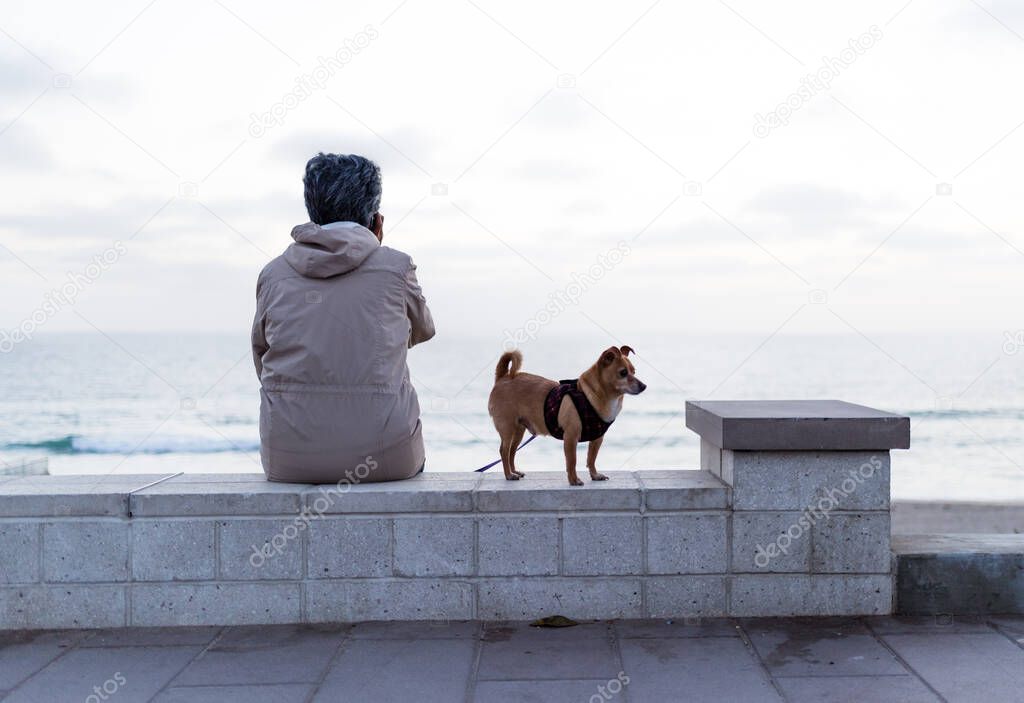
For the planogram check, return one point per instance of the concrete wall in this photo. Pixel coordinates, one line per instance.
(810, 531)
(87, 551)
(959, 574)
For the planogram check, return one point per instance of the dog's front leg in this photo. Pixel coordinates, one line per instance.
(592, 449)
(569, 444)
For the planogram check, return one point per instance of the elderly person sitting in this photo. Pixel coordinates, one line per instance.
(335, 315)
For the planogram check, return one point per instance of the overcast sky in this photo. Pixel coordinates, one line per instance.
(884, 198)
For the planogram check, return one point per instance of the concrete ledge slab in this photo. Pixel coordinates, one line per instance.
(222, 495)
(683, 490)
(433, 493)
(935, 544)
(71, 496)
(796, 425)
(550, 491)
(251, 477)
(959, 574)
(182, 497)
(919, 517)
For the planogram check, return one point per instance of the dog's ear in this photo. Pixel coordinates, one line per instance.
(626, 351)
(609, 356)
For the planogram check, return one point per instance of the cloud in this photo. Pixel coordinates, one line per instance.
(22, 77)
(988, 17)
(119, 220)
(816, 211)
(393, 150)
(272, 206)
(22, 150)
(552, 169)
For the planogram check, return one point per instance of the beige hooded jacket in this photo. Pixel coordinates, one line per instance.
(335, 316)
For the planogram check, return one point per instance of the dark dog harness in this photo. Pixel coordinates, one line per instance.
(593, 426)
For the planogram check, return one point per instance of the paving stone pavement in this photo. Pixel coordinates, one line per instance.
(866, 660)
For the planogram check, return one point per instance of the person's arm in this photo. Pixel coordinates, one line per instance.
(259, 334)
(416, 308)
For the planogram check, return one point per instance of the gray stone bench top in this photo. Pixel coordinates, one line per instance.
(796, 425)
(184, 495)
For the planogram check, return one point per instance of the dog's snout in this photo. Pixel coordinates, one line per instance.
(641, 386)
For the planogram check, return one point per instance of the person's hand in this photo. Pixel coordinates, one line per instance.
(377, 226)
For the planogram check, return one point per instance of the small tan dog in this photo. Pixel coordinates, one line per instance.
(574, 411)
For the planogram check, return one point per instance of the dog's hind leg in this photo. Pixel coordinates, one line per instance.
(507, 433)
(506, 459)
(517, 439)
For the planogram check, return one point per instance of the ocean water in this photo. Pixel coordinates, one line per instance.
(139, 403)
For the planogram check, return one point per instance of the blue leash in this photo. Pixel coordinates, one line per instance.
(484, 468)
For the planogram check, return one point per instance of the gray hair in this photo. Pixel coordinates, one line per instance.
(342, 188)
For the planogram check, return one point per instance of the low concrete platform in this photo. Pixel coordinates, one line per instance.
(960, 574)
(233, 549)
(852, 659)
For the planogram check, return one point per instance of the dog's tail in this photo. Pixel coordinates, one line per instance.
(515, 358)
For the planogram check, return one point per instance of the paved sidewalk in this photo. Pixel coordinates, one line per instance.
(866, 660)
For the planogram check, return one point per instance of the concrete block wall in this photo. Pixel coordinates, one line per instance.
(819, 543)
(943, 575)
(810, 520)
(111, 551)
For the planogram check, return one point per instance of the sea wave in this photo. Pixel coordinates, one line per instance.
(965, 414)
(155, 444)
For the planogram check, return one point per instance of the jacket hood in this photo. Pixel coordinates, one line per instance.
(322, 252)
